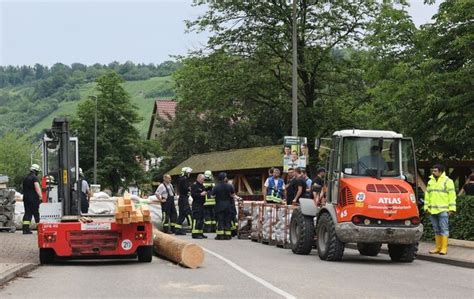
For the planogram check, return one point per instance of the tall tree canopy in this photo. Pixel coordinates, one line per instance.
(361, 64)
(118, 141)
(421, 82)
(262, 30)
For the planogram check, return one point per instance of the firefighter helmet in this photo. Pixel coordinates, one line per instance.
(186, 170)
(35, 167)
(208, 174)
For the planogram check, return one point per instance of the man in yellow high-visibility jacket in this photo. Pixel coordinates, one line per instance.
(440, 203)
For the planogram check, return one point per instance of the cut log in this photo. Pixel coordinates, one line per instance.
(179, 251)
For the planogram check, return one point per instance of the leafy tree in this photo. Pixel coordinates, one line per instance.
(225, 102)
(421, 83)
(236, 92)
(263, 29)
(15, 152)
(118, 141)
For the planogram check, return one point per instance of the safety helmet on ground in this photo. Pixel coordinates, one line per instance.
(35, 167)
(208, 174)
(186, 170)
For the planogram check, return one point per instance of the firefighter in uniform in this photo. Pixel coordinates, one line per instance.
(198, 193)
(166, 195)
(183, 201)
(209, 204)
(440, 203)
(224, 194)
(31, 198)
(233, 216)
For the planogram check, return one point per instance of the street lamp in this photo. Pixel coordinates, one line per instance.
(95, 140)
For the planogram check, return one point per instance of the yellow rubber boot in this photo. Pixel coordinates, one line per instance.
(444, 245)
(438, 245)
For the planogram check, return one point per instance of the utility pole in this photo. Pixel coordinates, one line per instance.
(294, 84)
(95, 140)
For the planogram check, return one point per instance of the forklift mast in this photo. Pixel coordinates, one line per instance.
(58, 137)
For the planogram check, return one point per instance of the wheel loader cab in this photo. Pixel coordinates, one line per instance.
(372, 183)
(371, 197)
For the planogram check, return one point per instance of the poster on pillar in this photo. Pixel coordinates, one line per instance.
(295, 152)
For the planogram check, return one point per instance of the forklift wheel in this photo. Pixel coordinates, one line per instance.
(145, 254)
(46, 255)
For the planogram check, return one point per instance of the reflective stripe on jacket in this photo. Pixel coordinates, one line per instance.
(210, 200)
(275, 192)
(440, 195)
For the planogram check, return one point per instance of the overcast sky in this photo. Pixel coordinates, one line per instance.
(103, 31)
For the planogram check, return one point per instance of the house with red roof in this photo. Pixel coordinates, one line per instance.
(163, 109)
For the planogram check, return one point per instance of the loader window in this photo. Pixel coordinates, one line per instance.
(408, 161)
(371, 156)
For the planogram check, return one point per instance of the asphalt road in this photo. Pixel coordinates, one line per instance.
(244, 269)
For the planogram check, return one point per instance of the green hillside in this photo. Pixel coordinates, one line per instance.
(31, 96)
(140, 96)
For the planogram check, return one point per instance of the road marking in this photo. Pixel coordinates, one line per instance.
(254, 277)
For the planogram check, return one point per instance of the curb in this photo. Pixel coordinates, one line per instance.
(14, 271)
(431, 258)
(461, 243)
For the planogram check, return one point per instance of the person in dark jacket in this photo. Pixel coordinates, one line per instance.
(198, 193)
(224, 194)
(468, 187)
(31, 198)
(183, 201)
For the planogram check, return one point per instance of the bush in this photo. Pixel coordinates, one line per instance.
(461, 225)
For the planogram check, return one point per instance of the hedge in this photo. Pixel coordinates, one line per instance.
(461, 225)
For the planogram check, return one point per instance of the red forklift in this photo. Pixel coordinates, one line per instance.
(64, 232)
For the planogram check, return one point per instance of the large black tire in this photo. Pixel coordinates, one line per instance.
(46, 256)
(404, 253)
(330, 248)
(145, 254)
(369, 249)
(301, 232)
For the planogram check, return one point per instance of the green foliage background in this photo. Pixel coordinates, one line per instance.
(461, 225)
(30, 97)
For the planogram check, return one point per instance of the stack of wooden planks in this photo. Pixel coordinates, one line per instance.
(126, 212)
